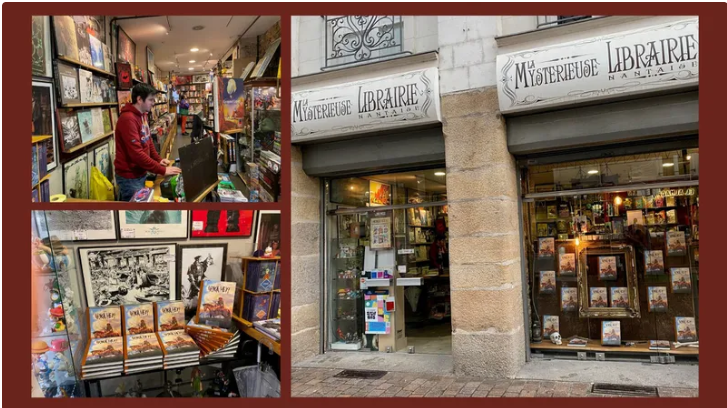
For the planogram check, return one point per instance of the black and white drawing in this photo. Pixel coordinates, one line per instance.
(70, 132)
(128, 274)
(79, 225)
(68, 81)
(75, 177)
(85, 85)
(153, 224)
(96, 93)
(97, 115)
(102, 160)
(197, 263)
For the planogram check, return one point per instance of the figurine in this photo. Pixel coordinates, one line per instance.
(43, 372)
(196, 382)
(120, 390)
(220, 385)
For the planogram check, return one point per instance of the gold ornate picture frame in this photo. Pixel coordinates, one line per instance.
(584, 308)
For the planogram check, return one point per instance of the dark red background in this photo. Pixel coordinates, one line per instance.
(246, 224)
(16, 31)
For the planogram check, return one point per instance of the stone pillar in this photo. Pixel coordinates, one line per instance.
(305, 261)
(484, 237)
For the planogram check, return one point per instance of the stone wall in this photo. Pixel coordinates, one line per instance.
(484, 232)
(306, 297)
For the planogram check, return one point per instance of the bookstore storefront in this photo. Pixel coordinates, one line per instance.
(610, 205)
(378, 156)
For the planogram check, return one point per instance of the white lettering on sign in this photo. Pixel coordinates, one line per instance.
(639, 61)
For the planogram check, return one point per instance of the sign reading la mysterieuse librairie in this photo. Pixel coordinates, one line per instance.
(644, 60)
(406, 99)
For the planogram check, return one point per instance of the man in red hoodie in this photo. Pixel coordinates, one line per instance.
(135, 152)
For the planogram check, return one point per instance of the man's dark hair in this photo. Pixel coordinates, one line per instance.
(181, 97)
(143, 91)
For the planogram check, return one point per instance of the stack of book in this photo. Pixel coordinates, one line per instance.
(212, 326)
(260, 301)
(105, 349)
(231, 196)
(142, 351)
(270, 328)
(179, 349)
(212, 339)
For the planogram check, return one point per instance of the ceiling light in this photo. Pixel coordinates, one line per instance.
(191, 69)
(198, 28)
(194, 49)
(439, 173)
(689, 157)
(192, 61)
(592, 171)
(617, 200)
(668, 164)
(166, 32)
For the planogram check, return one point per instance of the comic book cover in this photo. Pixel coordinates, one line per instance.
(143, 346)
(686, 329)
(104, 321)
(599, 297)
(619, 297)
(138, 318)
(657, 299)
(568, 299)
(215, 303)
(681, 280)
(547, 282)
(169, 315)
(567, 265)
(611, 333)
(104, 352)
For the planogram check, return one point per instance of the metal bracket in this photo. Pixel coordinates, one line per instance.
(600, 356)
(582, 355)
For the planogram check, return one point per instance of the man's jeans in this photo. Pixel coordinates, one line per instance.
(129, 187)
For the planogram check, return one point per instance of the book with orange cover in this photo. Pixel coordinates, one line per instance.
(138, 318)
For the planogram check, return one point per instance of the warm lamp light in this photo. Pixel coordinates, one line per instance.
(617, 200)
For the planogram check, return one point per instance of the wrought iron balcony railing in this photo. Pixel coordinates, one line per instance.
(357, 39)
(552, 21)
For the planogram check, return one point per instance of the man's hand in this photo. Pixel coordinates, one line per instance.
(170, 171)
(165, 162)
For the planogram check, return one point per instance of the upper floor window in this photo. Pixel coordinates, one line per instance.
(552, 21)
(356, 39)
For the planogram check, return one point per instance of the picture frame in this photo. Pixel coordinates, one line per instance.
(150, 61)
(596, 249)
(126, 274)
(102, 159)
(266, 232)
(153, 224)
(64, 32)
(76, 178)
(44, 121)
(215, 223)
(89, 225)
(379, 193)
(41, 56)
(195, 263)
(126, 48)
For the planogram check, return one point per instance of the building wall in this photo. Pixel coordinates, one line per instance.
(306, 297)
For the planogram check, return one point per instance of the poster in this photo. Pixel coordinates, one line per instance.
(378, 320)
(232, 94)
(379, 193)
(381, 233)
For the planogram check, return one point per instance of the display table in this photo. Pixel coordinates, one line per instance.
(595, 346)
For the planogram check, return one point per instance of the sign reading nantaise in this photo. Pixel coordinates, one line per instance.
(653, 58)
(407, 99)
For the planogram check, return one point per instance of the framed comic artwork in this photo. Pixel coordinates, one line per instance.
(91, 225)
(222, 223)
(153, 224)
(118, 275)
(267, 232)
(196, 263)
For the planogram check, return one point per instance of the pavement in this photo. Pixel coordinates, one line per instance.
(428, 375)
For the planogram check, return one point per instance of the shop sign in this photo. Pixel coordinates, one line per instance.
(639, 61)
(385, 103)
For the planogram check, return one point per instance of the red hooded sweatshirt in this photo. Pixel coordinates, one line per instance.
(135, 152)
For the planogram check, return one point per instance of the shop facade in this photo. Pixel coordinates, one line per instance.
(485, 164)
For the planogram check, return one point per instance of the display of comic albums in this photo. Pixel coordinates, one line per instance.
(614, 255)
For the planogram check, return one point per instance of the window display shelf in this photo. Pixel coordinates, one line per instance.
(595, 346)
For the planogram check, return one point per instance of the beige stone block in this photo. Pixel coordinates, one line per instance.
(483, 100)
(305, 208)
(482, 216)
(302, 183)
(486, 310)
(305, 237)
(296, 154)
(484, 249)
(490, 355)
(305, 317)
(485, 275)
(475, 140)
(497, 180)
(305, 345)
(305, 279)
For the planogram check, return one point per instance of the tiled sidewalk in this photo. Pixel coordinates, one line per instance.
(319, 382)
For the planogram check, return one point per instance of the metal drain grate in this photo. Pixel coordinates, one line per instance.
(624, 390)
(362, 374)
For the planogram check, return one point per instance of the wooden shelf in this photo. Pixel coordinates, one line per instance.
(38, 139)
(595, 346)
(90, 142)
(263, 339)
(86, 66)
(45, 178)
(84, 105)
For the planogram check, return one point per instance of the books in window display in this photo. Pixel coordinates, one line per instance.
(215, 303)
(104, 358)
(270, 328)
(576, 341)
(659, 345)
(180, 350)
(213, 340)
(261, 276)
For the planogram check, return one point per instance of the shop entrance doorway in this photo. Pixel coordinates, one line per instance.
(388, 263)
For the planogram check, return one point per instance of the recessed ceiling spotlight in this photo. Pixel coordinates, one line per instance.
(668, 164)
(198, 28)
(194, 49)
(192, 61)
(440, 173)
(191, 69)
(592, 171)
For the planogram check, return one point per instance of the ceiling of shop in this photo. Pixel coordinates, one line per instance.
(172, 50)
(418, 180)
